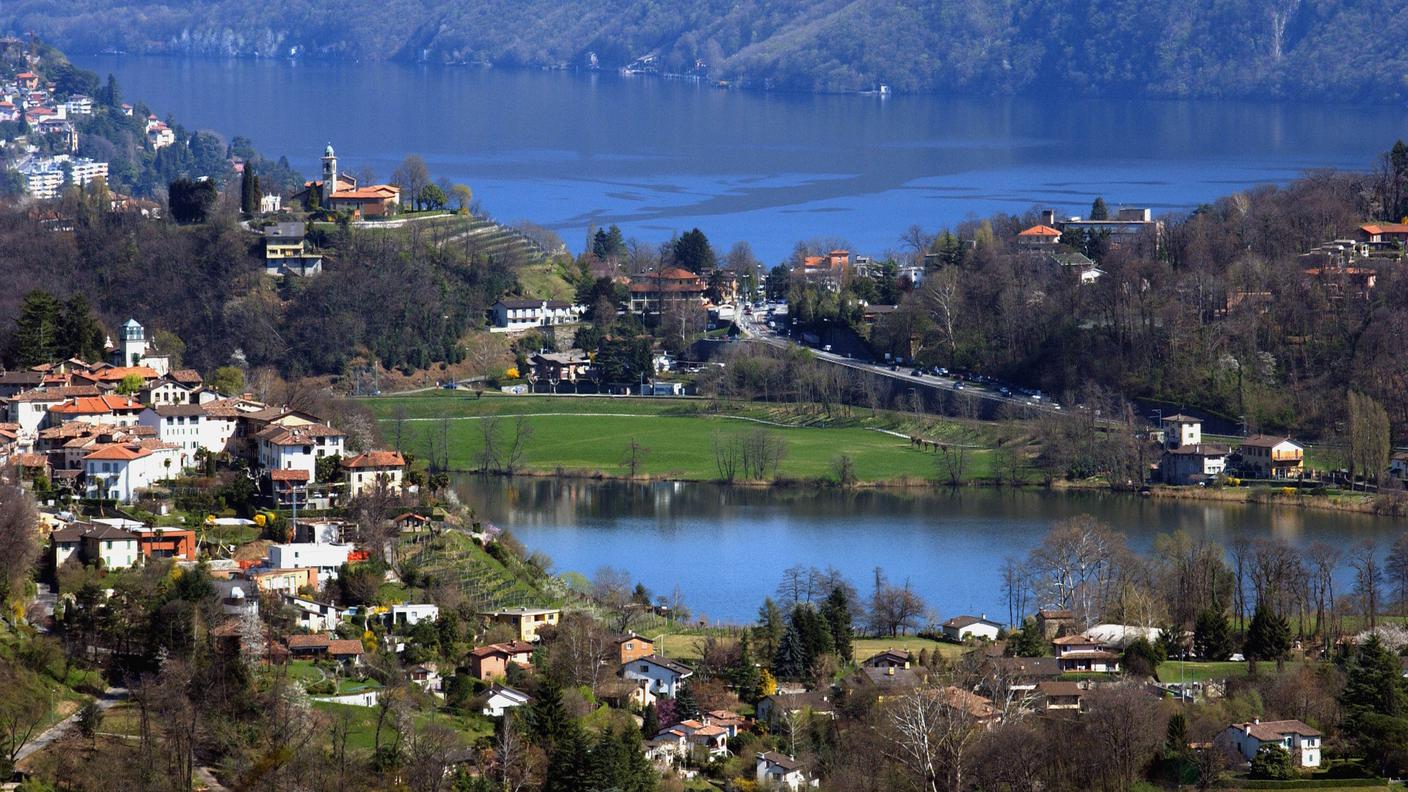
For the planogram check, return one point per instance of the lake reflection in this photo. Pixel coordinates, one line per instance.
(726, 547)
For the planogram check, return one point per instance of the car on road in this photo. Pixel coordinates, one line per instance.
(916, 373)
(958, 385)
(894, 367)
(1005, 391)
(451, 385)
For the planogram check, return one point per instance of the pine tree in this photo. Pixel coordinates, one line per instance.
(745, 676)
(1268, 637)
(569, 762)
(1375, 705)
(1098, 209)
(686, 707)
(790, 662)
(547, 717)
(649, 723)
(771, 625)
(79, 334)
(1212, 635)
(639, 775)
(837, 612)
(608, 762)
(37, 329)
(248, 203)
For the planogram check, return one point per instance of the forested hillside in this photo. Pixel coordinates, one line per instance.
(1330, 49)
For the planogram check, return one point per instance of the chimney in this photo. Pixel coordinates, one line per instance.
(1048, 217)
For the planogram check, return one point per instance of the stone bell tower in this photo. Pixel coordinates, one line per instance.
(329, 175)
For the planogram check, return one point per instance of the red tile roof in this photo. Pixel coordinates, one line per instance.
(375, 459)
(97, 405)
(288, 475)
(1040, 231)
(119, 452)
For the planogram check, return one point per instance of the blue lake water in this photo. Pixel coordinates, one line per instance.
(726, 547)
(657, 157)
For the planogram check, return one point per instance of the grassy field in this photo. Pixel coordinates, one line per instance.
(1201, 672)
(591, 435)
(362, 723)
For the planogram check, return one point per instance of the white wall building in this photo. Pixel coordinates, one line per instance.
(499, 699)
(514, 314)
(325, 558)
(118, 471)
(298, 447)
(45, 177)
(659, 675)
(1299, 740)
(411, 615)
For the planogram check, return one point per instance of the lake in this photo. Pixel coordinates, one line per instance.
(657, 157)
(726, 547)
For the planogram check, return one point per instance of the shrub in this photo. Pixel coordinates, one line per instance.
(1273, 762)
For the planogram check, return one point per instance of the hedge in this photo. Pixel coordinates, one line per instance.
(1304, 783)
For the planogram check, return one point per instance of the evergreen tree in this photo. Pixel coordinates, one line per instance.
(1268, 637)
(608, 763)
(1272, 762)
(747, 679)
(836, 610)
(649, 723)
(569, 762)
(37, 330)
(547, 717)
(1098, 209)
(1375, 706)
(109, 95)
(790, 662)
(250, 196)
(771, 625)
(599, 244)
(639, 775)
(1212, 635)
(80, 335)
(685, 705)
(1028, 641)
(814, 632)
(693, 252)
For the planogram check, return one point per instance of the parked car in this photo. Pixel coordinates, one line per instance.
(916, 373)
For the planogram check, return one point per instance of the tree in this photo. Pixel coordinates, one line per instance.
(1098, 210)
(191, 201)
(1272, 762)
(19, 542)
(790, 662)
(462, 197)
(431, 197)
(250, 194)
(635, 455)
(771, 625)
(693, 252)
(1375, 706)
(227, 380)
(1212, 635)
(686, 708)
(1268, 637)
(1369, 445)
(411, 176)
(79, 334)
(130, 384)
(836, 610)
(110, 95)
(36, 337)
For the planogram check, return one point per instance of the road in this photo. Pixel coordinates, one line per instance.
(110, 698)
(759, 331)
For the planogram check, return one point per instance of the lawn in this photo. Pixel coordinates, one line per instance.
(362, 722)
(684, 646)
(1202, 672)
(591, 435)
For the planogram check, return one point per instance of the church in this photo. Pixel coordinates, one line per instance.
(339, 192)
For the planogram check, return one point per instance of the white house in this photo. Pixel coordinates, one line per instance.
(314, 616)
(366, 471)
(92, 543)
(509, 315)
(411, 615)
(326, 558)
(499, 699)
(1182, 430)
(298, 447)
(659, 675)
(1192, 464)
(1398, 465)
(960, 627)
(118, 470)
(1080, 653)
(1299, 740)
(782, 772)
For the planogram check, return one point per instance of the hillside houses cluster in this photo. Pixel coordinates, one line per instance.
(27, 97)
(112, 430)
(1188, 460)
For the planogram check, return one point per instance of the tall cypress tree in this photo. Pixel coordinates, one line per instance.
(837, 613)
(747, 680)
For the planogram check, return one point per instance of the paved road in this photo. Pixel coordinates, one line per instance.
(110, 698)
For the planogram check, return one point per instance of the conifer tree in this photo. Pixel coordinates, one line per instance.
(790, 662)
(37, 329)
(685, 705)
(1268, 637)
(649, 723)
(80, 335)
(1212, 635)
(747, 680)
(569, 762)
(837, 612)
(548, 718)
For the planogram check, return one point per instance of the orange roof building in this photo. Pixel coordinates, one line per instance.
(368, 471)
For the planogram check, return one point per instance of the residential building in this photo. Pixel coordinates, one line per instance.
(425, 676)
(367, 471)
(525, 621)
(401, 616)
(1039, 236)
(45, 177)
(513, 314)
(559, 367)
(772, 710)
(1058, 696)
(656, 675)
(212, 426)
(960, 628)
(347, 652)
(161, 542)
(1126, 224)
(109, 410)
(298, 446)
(829, 271)
(1079, 653)
(492, 661)
(112, 548)
(1299, 740)
(286, 251)
(1052, 622)
(1079, 266)
(1396, 233)
(781, 772)
(889, 658)
(1193, 464)
(283, 581)
(633, 647)
(308, 646)
(159, 134)
(657, 291)
(119, 471)
(288, 489)
(1182, 430)
(135, 349)
(324, 558)
(499, 699)
(314, 616)
(1274, 457)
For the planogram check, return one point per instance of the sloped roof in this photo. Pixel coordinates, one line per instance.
(1265, 441)
(375, 459)
(119, 452)
(302, 434)
(96, 405)
(1040, 231)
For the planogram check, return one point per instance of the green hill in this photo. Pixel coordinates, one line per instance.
(1244, 48)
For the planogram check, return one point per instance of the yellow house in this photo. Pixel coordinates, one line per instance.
(1273, 457)
(526, 621)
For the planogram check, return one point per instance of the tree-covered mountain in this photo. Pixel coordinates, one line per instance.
(1326, 49)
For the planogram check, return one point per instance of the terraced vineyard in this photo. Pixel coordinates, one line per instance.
(490, 240)
(485, 582)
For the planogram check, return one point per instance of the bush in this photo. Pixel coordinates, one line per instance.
(1273, 762)
(324, 688)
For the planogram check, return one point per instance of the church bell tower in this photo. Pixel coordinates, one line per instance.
(329, 174)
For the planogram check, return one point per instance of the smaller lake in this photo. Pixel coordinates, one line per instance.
(726, 547)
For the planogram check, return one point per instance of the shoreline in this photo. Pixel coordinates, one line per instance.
(1249, 496)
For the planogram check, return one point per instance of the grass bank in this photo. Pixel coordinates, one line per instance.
(591, 436)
